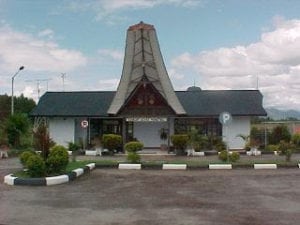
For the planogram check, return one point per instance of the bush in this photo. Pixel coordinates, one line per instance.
(296, 139)
(180, 142)
(272, 148)
(25, 156)
(133, 157)
(111, 141)
(234, 156)
(223, 155)
(57, 160)
(280, 133)
(42, 141)
(134, 146)
(36, 166)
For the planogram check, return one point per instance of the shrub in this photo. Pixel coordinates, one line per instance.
(36, 166)
(42, 141)
(272, 148)
(74, 147)
(57, 160)
(234, 156)
(134, 146)
(296, 139)
(280, 133)
(25, 156)
(223, 155)
(133, 157)
(180, 142)
(111, 141)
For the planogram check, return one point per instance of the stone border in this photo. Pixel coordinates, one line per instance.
(47, 181)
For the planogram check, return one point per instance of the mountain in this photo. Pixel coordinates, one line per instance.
(277, 114)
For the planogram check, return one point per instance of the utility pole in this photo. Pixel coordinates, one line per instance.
(38, 82)
(12, 89)
(63, 77)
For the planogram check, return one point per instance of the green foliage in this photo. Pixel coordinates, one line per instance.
(57, 160)
(74, 147)
(197, 141)
(42, 141)
(133, 157)
(25, 156)
(272, 148)
(234, 156)
(16, 126)
(286, 149)
(21, 105)
(36, 166)
(296, 139)
(180, 142)
(223, 155)
(280, 133)
(111, 141)
(134, 146)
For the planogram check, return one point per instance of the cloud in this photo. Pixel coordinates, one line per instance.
(109, 54)
(108, 10)
(46, 33)
(35, 54)
(110, 84)
(274, 62)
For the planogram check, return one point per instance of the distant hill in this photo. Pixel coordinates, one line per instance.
(277, 114)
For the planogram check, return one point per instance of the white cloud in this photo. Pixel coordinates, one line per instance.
(107, 10)
(111, 54)
(274, 60)
(36, 55)
(108, 85)
(46, 33)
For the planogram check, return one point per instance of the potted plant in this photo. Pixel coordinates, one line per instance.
(163, 137)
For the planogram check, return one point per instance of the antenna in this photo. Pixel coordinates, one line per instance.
(257, 83)
(63, 76)
(38, 82)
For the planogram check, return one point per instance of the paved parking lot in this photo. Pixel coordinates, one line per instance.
(158, 197)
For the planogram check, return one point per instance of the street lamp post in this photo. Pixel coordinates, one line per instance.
(12, 89)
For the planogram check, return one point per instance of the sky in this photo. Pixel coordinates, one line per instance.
(214, 44)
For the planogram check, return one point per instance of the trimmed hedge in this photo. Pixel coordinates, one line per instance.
(57, 160)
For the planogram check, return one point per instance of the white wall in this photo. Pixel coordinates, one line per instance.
(62, 130)
(239, 125)
(149, 133)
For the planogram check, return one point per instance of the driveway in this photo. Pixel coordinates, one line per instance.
(113, 197)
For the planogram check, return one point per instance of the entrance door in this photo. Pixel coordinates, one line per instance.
(149, 133)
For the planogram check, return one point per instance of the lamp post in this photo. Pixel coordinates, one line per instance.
(12, 89)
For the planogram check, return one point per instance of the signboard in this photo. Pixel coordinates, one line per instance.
(146, 119)
(84, 123)
(225, 118)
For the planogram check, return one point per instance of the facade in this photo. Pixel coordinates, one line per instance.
(145, 105)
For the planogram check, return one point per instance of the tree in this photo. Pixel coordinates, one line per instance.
(42, 141)
(16, 126)
(280, 133)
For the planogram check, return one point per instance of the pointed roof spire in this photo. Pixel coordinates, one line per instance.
(143, 59)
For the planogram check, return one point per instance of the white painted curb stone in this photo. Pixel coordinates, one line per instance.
(265, 166)
(91, 166)
(299, 165)
(57, 180)
(9, 179)
(220, 166)
(125, 166)
(90, 152)
(78, 172)
(174, 167)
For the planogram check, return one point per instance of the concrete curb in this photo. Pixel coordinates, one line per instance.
(220, 166)
(265, 166)
(47, 181)
(174, 167)
(128, 166)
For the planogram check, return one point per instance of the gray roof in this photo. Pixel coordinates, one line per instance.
(196, 103)
(144, 59)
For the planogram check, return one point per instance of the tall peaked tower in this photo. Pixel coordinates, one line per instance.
(145, 81)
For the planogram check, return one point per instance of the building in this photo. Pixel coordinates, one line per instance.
(145, 104)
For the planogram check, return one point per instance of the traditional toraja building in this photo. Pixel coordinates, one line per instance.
(145, 103)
